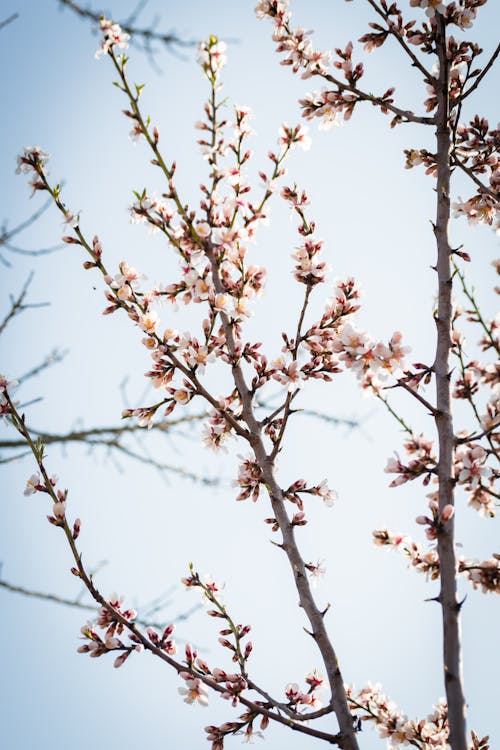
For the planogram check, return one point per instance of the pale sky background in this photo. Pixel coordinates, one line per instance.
(374, 218)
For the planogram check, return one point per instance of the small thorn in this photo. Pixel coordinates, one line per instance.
(323, 613)
(460, 604)
(277, 544)
(434, 599)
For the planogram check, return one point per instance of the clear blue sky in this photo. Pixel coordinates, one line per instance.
(374, 217)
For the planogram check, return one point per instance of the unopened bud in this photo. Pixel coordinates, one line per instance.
(448, 512)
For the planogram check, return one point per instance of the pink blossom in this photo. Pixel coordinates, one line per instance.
(149, 322)
(328, 496)
(195, 691)
(33, 485)
(31, 160)
(203, 229)
(112, 36)
(431, 6)
(470, 466)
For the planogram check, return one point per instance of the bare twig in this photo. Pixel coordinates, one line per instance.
(484, 71)
(8, 20)
(146, 34)
(7, 234)
(75, 604)
(18, 305)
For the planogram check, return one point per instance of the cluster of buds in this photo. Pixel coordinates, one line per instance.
(423, 464)
(164, 641)
(249, 479)
(435, 522)
(37, 483)
(111, 619)
(322, 490)
(217, 735)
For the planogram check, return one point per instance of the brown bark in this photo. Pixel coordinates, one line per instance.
(452, 658)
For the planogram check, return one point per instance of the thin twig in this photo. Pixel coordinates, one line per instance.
(484, 71)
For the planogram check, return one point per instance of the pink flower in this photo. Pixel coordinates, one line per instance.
(431, 6)
(112, 36)
(33, 485)
(203, 229)
(149, 322)
(32, 158)
(194, 691)
(328, 496)
(181, 396)
(470, 466)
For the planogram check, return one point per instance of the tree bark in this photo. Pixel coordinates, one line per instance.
(450, 607)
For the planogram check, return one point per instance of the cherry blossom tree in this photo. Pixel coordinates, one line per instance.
(216, 274)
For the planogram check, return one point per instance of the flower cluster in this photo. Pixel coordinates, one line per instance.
(424, 561)
(5, 385)
(112, 36)
(212, 56)
(484, 575)
(434, 523)
(370, 704)
(423, 464)
(431, 6)
(297, 699)
(249, 479)
(470, 466)
(36, 483)
(33, 161)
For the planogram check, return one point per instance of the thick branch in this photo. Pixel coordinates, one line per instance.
(289, 545)
(452, 658)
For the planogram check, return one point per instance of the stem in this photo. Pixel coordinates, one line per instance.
(87, 580)
(289, 545)
(483, 73)
(452, 657)
(397, 36)
(396, 416)
(469, 293)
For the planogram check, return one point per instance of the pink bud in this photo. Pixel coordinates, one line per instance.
(423, 520)
(76, 528)
(152, 635)
(448, 512)
(121, 659)
(59, 509)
